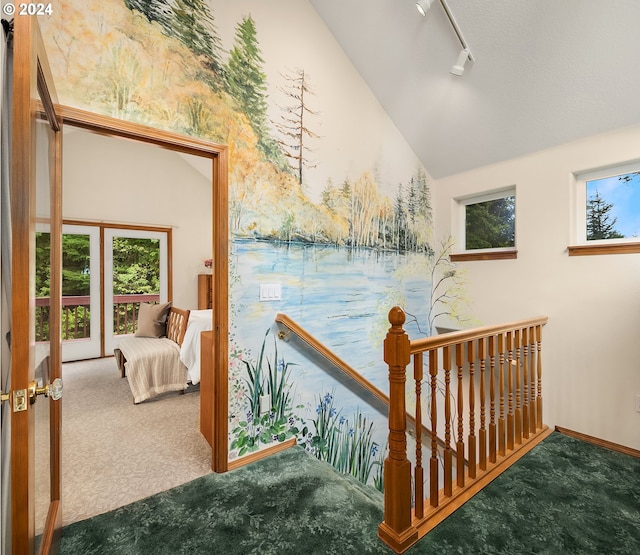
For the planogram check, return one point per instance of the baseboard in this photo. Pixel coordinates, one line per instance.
(262, 454)
(600, 442)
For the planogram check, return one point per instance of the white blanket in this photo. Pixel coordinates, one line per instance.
(199, 321)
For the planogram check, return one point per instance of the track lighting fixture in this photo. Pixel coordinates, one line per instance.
(458, 68)
(465, 54)
(423, 6)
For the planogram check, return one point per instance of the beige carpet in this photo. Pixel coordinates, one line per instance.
(115, 452)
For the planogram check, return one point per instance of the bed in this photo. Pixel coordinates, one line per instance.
(150, 360)
(199, 321)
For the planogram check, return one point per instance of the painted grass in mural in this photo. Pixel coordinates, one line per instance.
(345, 443)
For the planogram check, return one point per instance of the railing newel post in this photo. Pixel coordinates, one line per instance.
(396, 529)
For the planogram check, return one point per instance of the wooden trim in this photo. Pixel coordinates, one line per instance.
(103, 301)
(220, 301)
(219, 155)
(331, 357)
(262, 454)
(436, 341)
(603, 248)
(365, 384)
(52, 533)
(23, 156)
(486, 255)
(115, 225)
(484, 478)
(600, 442)
(55, 331)
(105, 125)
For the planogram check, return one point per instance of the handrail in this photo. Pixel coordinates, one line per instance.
(330, 356)
(436, 341)
(327, 353)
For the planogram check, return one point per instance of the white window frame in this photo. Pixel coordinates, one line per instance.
(110, 339)
(459, 218)
(579, 202)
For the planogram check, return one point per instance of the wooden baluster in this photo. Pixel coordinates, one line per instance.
(84, 321)
(539, 376)
(492, 399)
(460, 442)
(134, 323)
(66, 328)
(397, 468)
(510, 417)
(532, 382)
(39, 323)
(471, 355)
(448, 452)
(501, 418)
(418, 470)
(518, 371)
(433, 463)
(525, 383)
(482, 434)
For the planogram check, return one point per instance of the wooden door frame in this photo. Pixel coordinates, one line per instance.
(31, 78)
(218, 154)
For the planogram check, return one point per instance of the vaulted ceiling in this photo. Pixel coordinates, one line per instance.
(545, 72)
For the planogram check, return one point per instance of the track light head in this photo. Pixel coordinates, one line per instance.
(458, 68)
(423, 6)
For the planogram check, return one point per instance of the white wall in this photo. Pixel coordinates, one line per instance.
(115, 180)
(591, 346)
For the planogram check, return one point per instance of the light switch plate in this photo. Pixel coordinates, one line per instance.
(270, 292)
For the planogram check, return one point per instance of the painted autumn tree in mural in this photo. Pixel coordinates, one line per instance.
(162, 63)
(165, 61)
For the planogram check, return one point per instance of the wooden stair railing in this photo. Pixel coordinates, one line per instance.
(363, 383)
(493, 430)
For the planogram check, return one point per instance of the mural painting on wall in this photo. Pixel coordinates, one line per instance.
(345, 248)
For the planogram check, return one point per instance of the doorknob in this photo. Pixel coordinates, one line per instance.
(52, 390)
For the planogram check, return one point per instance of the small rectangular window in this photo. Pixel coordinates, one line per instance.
(607, 211)
(491, 224)
(612, 208)
(487, 224)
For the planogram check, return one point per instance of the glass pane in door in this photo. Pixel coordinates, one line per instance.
(136, 279)
(80, 292)
(44, 324)
(135, 272)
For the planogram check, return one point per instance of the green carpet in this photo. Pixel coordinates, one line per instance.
(564, 497)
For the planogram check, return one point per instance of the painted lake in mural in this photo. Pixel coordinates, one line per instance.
(341, 296)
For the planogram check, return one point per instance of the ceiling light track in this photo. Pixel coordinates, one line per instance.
(423, 7)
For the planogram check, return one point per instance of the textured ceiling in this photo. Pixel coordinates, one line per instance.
(546, 72)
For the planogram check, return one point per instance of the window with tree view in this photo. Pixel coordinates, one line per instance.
(613, 207)
(490, 224)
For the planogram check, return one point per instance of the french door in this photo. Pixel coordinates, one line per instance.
(81, 264)
(136, 269)
(106, 273)
(35, 370)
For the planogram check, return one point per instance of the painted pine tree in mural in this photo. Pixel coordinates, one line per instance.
(294, 125)
(193, 24)
(247, 83)
(153, 10)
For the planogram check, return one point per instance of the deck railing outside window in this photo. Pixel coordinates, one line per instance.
(76, 315)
